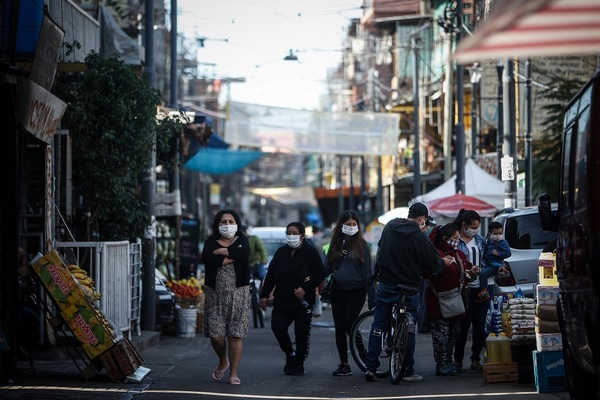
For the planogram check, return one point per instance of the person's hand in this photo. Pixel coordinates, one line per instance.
(221, 251)
(263, 303)
(495, 252)
(299, 293)
(448, 260)
(502, 270)
(475, 270)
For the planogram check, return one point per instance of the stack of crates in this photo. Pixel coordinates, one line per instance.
(549, 371)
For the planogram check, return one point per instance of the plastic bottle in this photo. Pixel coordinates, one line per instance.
(504, 348)
(491, 346)
(519, 294)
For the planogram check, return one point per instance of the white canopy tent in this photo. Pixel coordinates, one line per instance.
(479, 184)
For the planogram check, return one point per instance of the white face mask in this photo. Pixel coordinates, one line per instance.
(496, 238)
(349, 230)
(293, 241)
(471, 232)
(227, 231)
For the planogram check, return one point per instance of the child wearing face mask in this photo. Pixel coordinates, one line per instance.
(496, 249)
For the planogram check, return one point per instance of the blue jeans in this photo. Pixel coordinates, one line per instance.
(385, 298)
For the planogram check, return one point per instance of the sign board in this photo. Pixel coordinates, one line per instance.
(188, 242)
(50, 41)
(508, 170)
(39, 110)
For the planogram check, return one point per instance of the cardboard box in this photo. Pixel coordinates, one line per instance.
(549, 371)
(121, 360)
(91, 328)
(60, 285)
(547, 295)
(547, 312)
(548, 341)
(544, 326)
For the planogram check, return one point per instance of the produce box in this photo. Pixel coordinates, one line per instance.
(121, 360)
(60, 285)
(501, 372)
(91, 328)
(549, 370)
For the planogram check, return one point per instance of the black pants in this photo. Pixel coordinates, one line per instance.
(281, 319)
(346, 305)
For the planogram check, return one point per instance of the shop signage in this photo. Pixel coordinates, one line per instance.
(39, 110)
(50, 41)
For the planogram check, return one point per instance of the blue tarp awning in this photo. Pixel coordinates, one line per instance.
(221, 161)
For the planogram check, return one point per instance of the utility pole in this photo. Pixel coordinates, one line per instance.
(148, 179)
(460, 129)
(417, 151)
(528, 140)
(500, 126)
(509, 161)
(448, 110)
(174, 179)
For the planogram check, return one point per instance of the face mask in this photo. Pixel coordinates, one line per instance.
(349, 230)
(293, 241)
(471, 232)
(496, 238)
(453, 243)
(227, 231)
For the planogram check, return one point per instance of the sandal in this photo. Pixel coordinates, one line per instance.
(218, 374)
(234, 380)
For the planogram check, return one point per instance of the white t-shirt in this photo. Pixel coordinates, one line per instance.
(474, 256)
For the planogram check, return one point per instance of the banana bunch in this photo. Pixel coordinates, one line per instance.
(87, 283)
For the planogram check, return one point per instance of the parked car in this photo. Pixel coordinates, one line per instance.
(526, 238)
(165, 300)
(273, 237)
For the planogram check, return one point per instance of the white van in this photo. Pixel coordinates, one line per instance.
(273, 237)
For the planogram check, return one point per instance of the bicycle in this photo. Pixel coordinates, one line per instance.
(395, 343)
(258, 316)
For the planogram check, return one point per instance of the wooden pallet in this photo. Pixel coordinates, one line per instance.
(497, 373)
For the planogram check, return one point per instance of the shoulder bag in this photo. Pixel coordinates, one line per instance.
(451, 301)
(328, 290)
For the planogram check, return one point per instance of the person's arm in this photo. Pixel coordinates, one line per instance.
(260, 246)
(317, 271)
(504, 247)
(269, 282)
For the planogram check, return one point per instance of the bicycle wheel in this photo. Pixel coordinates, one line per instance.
(399, 350)
(359, 343)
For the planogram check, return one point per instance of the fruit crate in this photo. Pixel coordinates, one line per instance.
(121, 360)
(501, 372)
(549, 371)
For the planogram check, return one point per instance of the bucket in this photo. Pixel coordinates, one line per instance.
(186, 322)
(547, 269)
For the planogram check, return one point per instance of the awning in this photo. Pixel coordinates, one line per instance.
(288, 195)
(535, 28)
(221, 161)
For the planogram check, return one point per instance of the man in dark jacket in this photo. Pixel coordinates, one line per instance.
(403, 252)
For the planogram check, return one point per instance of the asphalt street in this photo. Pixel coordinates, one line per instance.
(181, 368)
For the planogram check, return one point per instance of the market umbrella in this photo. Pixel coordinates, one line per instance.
(451, 205)
(400, 212)
(534, 28)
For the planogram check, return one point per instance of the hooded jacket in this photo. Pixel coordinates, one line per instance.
(404, 253)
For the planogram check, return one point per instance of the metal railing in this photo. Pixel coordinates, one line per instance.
(116, 269)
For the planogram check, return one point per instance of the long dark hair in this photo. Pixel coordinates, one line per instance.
(466, 217)
(215, 224)
(445, 231)
(340, 242)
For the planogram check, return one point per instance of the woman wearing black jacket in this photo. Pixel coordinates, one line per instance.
(349, 255)
(293, 275)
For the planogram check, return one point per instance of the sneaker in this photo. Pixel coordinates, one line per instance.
(343, 370)
(475, 365)
(412, 378)
(296, 370)
(290, 362)
(457, 366)
(370, 376)
(445, 371)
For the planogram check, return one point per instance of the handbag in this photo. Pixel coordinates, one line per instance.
(328, 290)
(452, 303)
